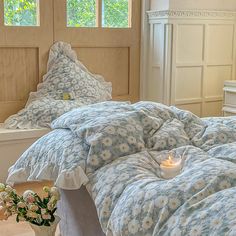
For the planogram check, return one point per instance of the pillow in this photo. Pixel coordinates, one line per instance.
(57, 156)
(40, 113)
(113, 137)
(67, 85)
(75, 119)
(156, 110)
(66, 75)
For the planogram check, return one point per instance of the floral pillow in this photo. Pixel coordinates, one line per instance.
(66, 85)
(67, 76)
(75, 119)
(113, 137)
(40, 113)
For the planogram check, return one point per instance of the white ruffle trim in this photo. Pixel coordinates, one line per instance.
(67, 179)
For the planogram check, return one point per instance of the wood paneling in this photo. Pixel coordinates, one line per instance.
(194, 108)
(113, 53)
(9, 108)
(111, 63)
(106, 41)
(23, 58)
(19, 73)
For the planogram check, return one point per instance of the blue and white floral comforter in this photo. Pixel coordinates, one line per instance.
(116, 149)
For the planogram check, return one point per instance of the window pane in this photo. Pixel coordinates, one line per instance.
(115, 13)
(21, 12)
(81, 13)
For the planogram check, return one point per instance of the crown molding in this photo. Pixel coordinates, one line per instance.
(197, 14)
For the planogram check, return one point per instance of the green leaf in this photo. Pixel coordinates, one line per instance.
(45, 201)
(54, 210)
(46, 223)
(52, 218)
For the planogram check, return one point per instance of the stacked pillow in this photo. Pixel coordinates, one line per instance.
(66, 86)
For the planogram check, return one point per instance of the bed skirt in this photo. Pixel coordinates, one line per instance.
(78, 214)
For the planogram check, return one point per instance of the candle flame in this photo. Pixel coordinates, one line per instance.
(170, 161)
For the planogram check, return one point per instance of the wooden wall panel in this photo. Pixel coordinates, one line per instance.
(23, 58)
(114, 42)
(18, 73)
(113, 53)
(195, 108)
(9, 108)
(111, 63)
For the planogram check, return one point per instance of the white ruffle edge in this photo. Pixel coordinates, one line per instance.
(67, 179)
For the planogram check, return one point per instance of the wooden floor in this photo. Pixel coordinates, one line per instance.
(10, 227)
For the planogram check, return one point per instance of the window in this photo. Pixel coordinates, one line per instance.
(21, 13)
(115, 13)
(92, 13)
(81, 13)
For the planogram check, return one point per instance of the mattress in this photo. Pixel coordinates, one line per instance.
(13, 143)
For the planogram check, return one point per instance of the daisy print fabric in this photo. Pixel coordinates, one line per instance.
(40, 113)
(66, 85)
(116, 149)
(119, 136)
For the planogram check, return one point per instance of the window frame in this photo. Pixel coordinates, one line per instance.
(99, 17)
(2, 21)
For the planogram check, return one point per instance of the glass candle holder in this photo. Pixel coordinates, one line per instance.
(171, 166)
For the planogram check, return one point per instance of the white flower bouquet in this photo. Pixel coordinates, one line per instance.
(30, 206)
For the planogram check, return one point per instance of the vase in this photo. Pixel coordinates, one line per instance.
(46, 230)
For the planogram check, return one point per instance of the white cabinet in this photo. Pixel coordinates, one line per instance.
(229, 108)
(191, 54)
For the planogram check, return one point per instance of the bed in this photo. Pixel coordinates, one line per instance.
(114, 149)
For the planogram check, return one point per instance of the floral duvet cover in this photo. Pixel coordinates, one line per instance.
(116, 150)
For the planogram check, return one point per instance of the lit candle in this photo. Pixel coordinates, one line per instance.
(170, 167)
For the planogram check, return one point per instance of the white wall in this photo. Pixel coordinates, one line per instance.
(194, 4)
(159, 4)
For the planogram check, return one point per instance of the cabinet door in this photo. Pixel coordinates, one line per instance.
(26, 34)
(106, 36)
